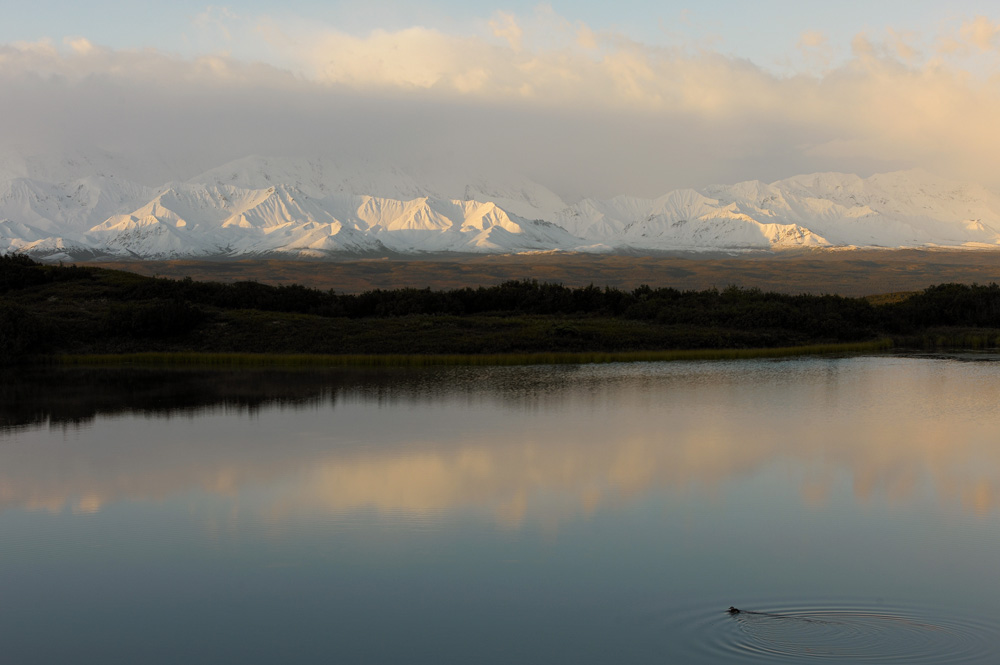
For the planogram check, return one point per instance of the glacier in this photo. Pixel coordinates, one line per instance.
(102, 206)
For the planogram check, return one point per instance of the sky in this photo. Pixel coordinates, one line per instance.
(588, 98)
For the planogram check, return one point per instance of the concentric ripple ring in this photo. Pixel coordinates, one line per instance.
(845, 633)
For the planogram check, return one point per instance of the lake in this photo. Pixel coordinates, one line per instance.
(849, 508)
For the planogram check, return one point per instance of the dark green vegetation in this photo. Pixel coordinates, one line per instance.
(46, 310)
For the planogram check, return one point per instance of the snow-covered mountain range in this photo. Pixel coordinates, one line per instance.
(101, 206)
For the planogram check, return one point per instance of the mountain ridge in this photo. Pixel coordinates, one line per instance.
(315, 208)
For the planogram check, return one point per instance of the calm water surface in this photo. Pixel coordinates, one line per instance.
(590, 514)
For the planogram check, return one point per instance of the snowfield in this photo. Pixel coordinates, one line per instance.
(87, 206)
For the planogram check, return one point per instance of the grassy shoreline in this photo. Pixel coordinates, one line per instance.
(186, 359)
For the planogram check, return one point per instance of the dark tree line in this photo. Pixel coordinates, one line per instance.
(18, 271)
(143, 307)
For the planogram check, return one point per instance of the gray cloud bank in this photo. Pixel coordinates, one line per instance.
(588, 119)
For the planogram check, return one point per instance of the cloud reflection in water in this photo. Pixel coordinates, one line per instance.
(519, 443)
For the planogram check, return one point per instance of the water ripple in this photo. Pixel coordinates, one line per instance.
(856, 633)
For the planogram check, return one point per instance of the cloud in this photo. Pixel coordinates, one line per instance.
(585, 445)
(505, 25)
(584, 113)
(216, 18)
(901, 42)
(813, 39)
(981, 33)
(814, 49)
(585, 37)
(80, 45)
(974, 37)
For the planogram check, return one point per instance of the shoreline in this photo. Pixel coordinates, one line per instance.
(196, 359)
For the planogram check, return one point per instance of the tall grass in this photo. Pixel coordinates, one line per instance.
(421, 360)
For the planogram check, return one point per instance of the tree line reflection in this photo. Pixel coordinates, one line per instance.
(517, 443)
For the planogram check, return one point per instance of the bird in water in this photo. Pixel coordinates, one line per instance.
(733, 610)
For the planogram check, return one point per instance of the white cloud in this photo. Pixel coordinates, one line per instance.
(815, 51)
(80, 45)
(585, 37)
(902, 44)
(582, 112)
(981, 33)
(973, 37)
(505, 25)
(813, 39)
(216, 19)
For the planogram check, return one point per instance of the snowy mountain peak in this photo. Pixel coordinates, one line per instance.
(87, 205)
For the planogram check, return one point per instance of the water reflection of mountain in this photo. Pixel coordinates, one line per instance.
(517, 442)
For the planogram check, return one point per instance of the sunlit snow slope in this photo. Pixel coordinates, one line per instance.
(88, 206)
